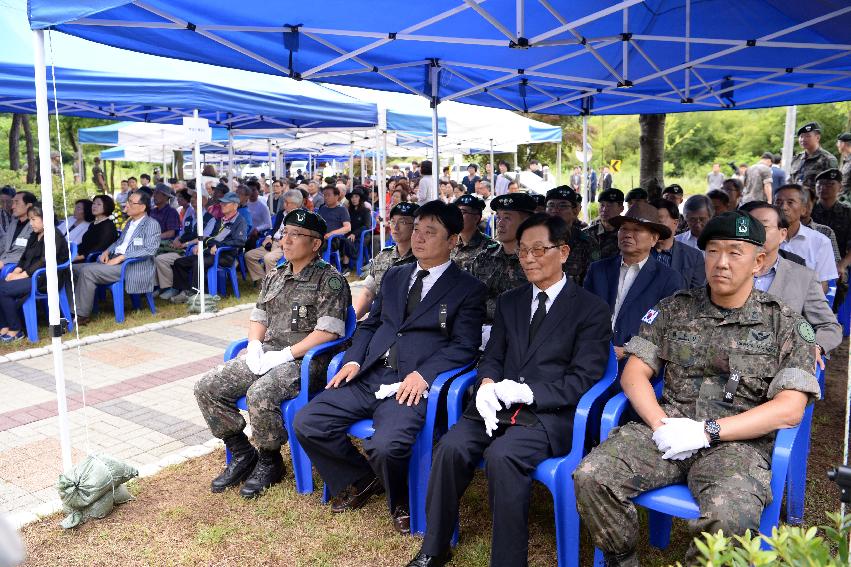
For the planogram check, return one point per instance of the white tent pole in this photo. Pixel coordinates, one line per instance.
(269, 156)
(382, 194)
(558, 163)
(362, 166)
(42, 120)
(789, 138)
(351, 163)
(230, 157)
(585, 165)
(434, 72)
(493, 165)
(199, 212)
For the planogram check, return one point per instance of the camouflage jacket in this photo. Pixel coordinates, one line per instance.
(838, 218)
(383, 261)
(845, 194)
(608, 239)
(701, 346)
(499, 271)
(805, 168)
(584, 249)
(464, 254)
(292, 306)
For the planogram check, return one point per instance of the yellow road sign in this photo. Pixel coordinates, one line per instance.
(615, 165)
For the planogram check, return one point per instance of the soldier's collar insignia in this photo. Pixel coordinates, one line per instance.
(650, 316)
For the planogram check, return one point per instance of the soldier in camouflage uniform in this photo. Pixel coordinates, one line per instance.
(584, 248)
(472, 240)
(401, 225)
(302, 304)
(498, 266)
(813, 160)
(611, 206)
(843, 145)
(719, 362)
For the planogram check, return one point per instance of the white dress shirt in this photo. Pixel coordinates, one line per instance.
(432, 277)
(688, 239)
(552, 292)
(816, 250)
(626, 278)
(128, 238)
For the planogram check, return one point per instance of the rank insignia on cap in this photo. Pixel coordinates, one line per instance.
(650, 316)
(335, 283)
(742, 225)
(806, 331)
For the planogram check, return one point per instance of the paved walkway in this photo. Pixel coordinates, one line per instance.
(139, 405)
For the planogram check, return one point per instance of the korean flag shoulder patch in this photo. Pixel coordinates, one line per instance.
(650, 316)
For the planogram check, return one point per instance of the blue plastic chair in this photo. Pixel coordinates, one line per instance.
(301, 463)
(30, 304)
(7, 269)
(556, 473)
(797, 482)
(664, 503)
(419, 467)
(831, 292)
(328, 254)
(117, 291)
(365, 250)
(217, 276)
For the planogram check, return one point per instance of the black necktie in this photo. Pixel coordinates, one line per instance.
(415, 293)
(538, 317)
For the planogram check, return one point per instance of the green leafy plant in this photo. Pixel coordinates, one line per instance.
(789, 546)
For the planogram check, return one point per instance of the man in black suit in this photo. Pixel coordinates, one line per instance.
(426, 319)
(537, 379)
(679, 257)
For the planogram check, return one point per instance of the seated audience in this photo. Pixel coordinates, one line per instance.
(101, 232)
(165, 260)
(720, 201)
(611, 206)
(697, 211)
(812, 246)
(162, 212)
(7, 193)
(15, 239)
(566, 203)
(683, 259)
(472, 241)
(360, 218)
(263, 259)
(75, 227)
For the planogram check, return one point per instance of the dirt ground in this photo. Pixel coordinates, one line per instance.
(175, 520)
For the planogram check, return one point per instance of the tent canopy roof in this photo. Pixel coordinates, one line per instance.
(598, 56)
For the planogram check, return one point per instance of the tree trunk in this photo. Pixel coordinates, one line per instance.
(112, 176)
(652, 143)
(79, 164)
(178, 165)
(32, 168)
(14, 143)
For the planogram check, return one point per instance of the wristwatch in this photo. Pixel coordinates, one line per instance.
(712, 429)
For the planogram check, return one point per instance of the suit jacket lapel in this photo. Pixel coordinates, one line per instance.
(441, 287)
(551, 321)
(401, 295)
(524, 320)
(613, 279)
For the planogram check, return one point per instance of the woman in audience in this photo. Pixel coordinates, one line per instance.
(101, 232)
(361, 218)
(74, 227)
(18, 283)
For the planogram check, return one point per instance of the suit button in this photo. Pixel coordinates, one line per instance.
(521, 379)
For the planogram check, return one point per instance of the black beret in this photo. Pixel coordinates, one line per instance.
(611, 196)
(404, 209)
(829, 175)
(540, 200)
(520, 202)
(306, 219)
(809, 127)
(637, 193)
(844, 137)
(674, 189)
(732, 225)
(469, 200)
(564, 193)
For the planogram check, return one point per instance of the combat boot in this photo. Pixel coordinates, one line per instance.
(269, 470)
(243, 458)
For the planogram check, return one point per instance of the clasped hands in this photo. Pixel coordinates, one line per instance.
(409, 391)
(680, 437)
(491, 393)
(260, 362)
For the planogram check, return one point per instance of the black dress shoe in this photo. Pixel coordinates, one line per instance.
(423, 560)
(402, 520)
(351, 498)
(243, 459)
(268, 471)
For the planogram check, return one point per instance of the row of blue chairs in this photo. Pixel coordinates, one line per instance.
(556, 473)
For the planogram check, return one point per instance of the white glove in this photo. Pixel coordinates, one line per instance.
(387, 390)
(486, 335)
(487, 405)
(273, 358)
(253, 356)
(511, 392)
(680, 437)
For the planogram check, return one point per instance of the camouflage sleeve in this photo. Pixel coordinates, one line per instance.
(370, 285)
(332, 303)
(647, 344)
(797, 360)
(258, 314)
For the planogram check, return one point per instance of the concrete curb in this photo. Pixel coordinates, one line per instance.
(74, 343)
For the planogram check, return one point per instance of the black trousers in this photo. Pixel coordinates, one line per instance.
(322, 425)
(185, 269)
(511, 457)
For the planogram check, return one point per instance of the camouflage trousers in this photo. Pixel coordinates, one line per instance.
(218, 390)
(731, 483)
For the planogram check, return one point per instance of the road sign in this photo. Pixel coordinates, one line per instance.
(615, 165)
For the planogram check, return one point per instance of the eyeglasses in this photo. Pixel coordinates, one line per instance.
(537, 251)
(296, 235)
(129, 202)
(397, 223)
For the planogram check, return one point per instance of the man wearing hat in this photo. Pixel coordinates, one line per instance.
(635, 195)
(813, 160)
(830, 211)
(673, 193)
(302, 303)
(401, 226)
(566, 203)
(758, 180)
(611, 206)
(633, 281)
(162, 211)
(843, 145)
(738, 366)
(472, 240)
(498, 266)
(231, 230)
(540, 202)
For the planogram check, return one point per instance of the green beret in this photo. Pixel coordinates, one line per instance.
(733, 225)
(844, 137)
(520, 202)
(611, 196)
(564, 193)
(829, 175)
(306, 219)
(809, 127)
(471, 201)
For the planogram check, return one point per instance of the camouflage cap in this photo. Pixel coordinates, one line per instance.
(306, 219)
(809, 127)
(564, 193)
(829, 175)
(520, 202)
(404, 209)
(471, 201)
(732, 225)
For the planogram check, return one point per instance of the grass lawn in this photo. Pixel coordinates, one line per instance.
(175, 520)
